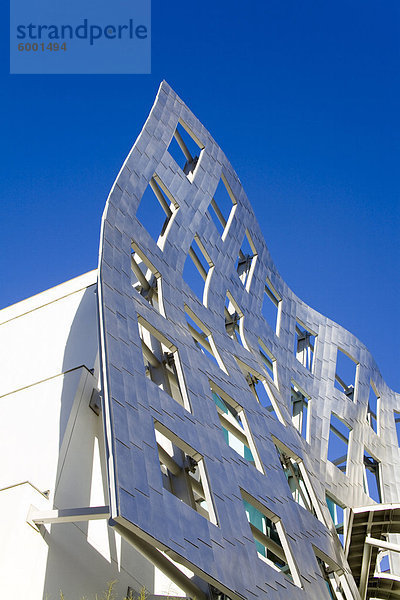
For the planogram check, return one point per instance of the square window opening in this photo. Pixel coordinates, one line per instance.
(183, 473)
(304, 345)
(271, 307)
(246, 261)
(372, 479)
(346, 374)
(338, 443)
(300, 410)
(270, 539)
(235, 427)
(222, 207)
(157, 210)
(198, 269)
(185, 148)
(162, 364)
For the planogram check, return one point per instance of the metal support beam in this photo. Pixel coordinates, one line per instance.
(232, 427)
(201, 339)
(339, 434)
(168, 461)
(150, 356)
(271, 295)
(197, 262)
(68, 515)
(139, 274)
(269, 544)
(183, 146)
(366, 561)
(382, 544)
(160, 197)
(162, 562)
(218, 213)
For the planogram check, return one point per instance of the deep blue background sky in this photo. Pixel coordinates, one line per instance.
(304, 99)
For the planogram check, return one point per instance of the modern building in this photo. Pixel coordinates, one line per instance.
(179, 421)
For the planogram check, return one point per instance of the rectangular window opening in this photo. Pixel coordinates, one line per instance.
(235, 427)
(222, 207)
(299, 486)
(183, 473)
(304, 345)
(397, 425)
(338, 443)
(268, 361)
(372, 479)
(145, 278)
(336, 511)
(373, 408)
(330, 577)
(346, 374)
(246, 261)
(261, 390)
(197, 269)
(270, 539)
(202, 338)
(157, 210)
(271, 307)
(233, 317)
(185, 148)
(300, 411)
(162, 364)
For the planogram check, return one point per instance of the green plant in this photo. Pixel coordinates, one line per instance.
(142, 593)
(109, 594)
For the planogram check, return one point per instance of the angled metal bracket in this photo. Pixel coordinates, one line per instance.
(69, 515)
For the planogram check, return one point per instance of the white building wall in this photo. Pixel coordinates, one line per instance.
(53, 453)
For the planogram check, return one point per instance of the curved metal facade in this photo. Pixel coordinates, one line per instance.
(295, 358)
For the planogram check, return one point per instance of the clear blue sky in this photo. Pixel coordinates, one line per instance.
(304, 99)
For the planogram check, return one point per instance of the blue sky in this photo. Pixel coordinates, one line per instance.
(302, 97)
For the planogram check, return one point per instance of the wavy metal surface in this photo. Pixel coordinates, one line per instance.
(223, 554)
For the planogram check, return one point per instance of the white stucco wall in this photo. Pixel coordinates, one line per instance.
(51, 444)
